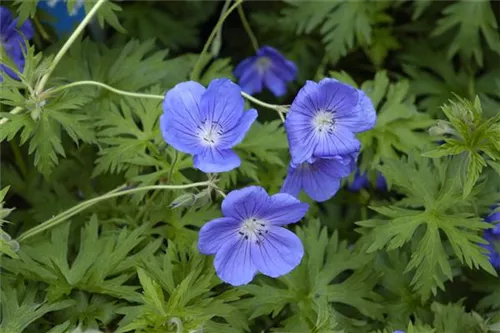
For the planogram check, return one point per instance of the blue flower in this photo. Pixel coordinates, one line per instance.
(11, 39)
(206, 123)
(323, 118)
(361, 181)
(319, 177)
(63, 21)
(493, 237)
(250, 238)
(268, 68)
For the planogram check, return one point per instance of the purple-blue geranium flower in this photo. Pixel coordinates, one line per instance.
(206, 123)
(323, 118)
(320, 178)
(11, 39)
(268, 68)
(250, 238)
(361, 181)
(493, 237)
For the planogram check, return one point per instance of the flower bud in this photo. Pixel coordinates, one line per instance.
(184, 200)
(442, 127)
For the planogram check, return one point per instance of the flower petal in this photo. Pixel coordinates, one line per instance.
(233, 262)
(304, 102)
(244, 67)
(285, 209)
(212, 159)
(178, 136)
(222, 103)
(248, 202)
(340, 141)
(301, 138)
(293, 182)
(322, 180)
(336, 97)
(181, 117)
(27, 29)
(274, 83)
(279, 253)
(362, 118)
(214, 234)
(237, 133)
(251, 81)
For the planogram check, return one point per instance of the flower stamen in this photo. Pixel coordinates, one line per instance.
(210, 132)
(254, 229)
(323, 121)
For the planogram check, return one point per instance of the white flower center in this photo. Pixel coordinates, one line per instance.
(210, 133)
(323, 121)
(263, 64)
(254, 230)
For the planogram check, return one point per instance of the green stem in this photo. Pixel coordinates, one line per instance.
(278, 108)
(19, 158)
(15, 110)
(172, 166)
(216, 44)
(155, 193)
(195, 74)
(105, 86)
(68, 44)
(247, 28)
(41, 30)
(259, 102)
(56, 220)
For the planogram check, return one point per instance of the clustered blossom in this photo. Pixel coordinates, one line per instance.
(493, 237)
(11, 40)
(206, 123)
(250, 238)
(321, 126)
(268, 68)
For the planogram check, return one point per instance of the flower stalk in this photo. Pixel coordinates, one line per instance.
(120, 191)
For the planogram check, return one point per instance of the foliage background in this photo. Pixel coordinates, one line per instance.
(376, 261)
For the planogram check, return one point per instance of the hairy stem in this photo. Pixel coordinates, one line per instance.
(247, 28)
(105, 86)
(67, 45)
(15, 110)
(278, 108)
(195, 74)
(58, 219)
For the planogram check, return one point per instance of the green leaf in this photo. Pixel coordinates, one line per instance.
(102, 265)
(452, 318)
(106, 13)
(322, 275)
(25, 9)
(399, 125)
(176, 293)
(257, 151)
(152, 292)
(113, 65)
(470, 20)
(127, 135)
(475, 166)
(472, 135)
(20, 307)
(434, 205)
(342, 24)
